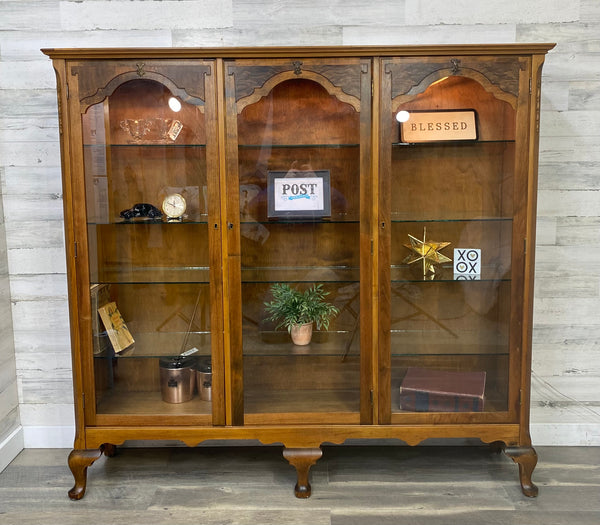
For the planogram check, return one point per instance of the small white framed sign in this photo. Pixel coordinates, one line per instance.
(467, 263)
(301, 194)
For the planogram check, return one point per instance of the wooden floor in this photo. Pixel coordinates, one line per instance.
(358, 485)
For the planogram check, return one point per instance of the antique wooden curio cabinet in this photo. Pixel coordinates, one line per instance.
(397, 182)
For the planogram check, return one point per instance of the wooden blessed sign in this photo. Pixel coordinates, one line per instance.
(439, 126)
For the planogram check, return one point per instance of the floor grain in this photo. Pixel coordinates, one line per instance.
(352, 485)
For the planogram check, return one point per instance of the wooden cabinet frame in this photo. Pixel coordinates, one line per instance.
(225, 90)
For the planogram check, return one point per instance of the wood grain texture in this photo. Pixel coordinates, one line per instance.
(526, 458)
(79, 461)
(501, 77)
(354, 485)
(96, 82)
(302, 459)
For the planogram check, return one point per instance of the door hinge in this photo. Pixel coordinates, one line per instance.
(75, 249)
(525, 246)
(68, 92)
(530, 85)
(371, 397)
(521, 397)
(372, 246)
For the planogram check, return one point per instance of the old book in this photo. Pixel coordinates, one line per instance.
(118, 333)
(428, 390)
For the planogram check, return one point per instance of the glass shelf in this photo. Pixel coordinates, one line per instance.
(300, 274)
(452, 143)
(297, 146)
(397, 218)
(156, 345)
(412, 274)
(303, 220)
(203, 219)
(144, 145)
(342, 344)
(449, 351)
(153, 275)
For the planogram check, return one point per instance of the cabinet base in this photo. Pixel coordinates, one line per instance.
(303, 451)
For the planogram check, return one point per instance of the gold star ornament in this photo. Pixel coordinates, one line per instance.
(426, 251)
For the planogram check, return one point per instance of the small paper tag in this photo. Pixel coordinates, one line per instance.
(174, 130)
(190, 351)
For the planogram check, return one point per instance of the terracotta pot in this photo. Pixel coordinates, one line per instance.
(301, 333)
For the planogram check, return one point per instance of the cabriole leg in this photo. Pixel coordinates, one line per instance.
(302, 459)
(79, 461)
(526, 458)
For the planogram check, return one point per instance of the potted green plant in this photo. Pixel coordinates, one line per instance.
(297, 310)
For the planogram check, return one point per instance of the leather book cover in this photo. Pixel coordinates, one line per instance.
(429, 390)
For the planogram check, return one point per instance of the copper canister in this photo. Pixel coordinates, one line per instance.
(204, 379)
(177, 379)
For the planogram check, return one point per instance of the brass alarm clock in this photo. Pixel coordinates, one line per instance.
(174, 206)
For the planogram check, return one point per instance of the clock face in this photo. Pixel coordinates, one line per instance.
(174, 206)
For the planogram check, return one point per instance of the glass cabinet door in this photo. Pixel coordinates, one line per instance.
(148, 154)
(452, 192)
(300, 161)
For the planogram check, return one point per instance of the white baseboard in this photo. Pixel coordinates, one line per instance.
(48, 437)
(10, 447)
(565, 434)
(542, 434)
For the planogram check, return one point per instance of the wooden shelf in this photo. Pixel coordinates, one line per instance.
(149, 404)
(493, 403)
(302, 402)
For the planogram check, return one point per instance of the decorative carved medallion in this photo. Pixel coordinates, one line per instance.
(140, 69)
(455, 65)
(297, 67)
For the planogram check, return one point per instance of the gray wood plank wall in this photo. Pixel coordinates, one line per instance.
(566, 384)
(10, 429)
